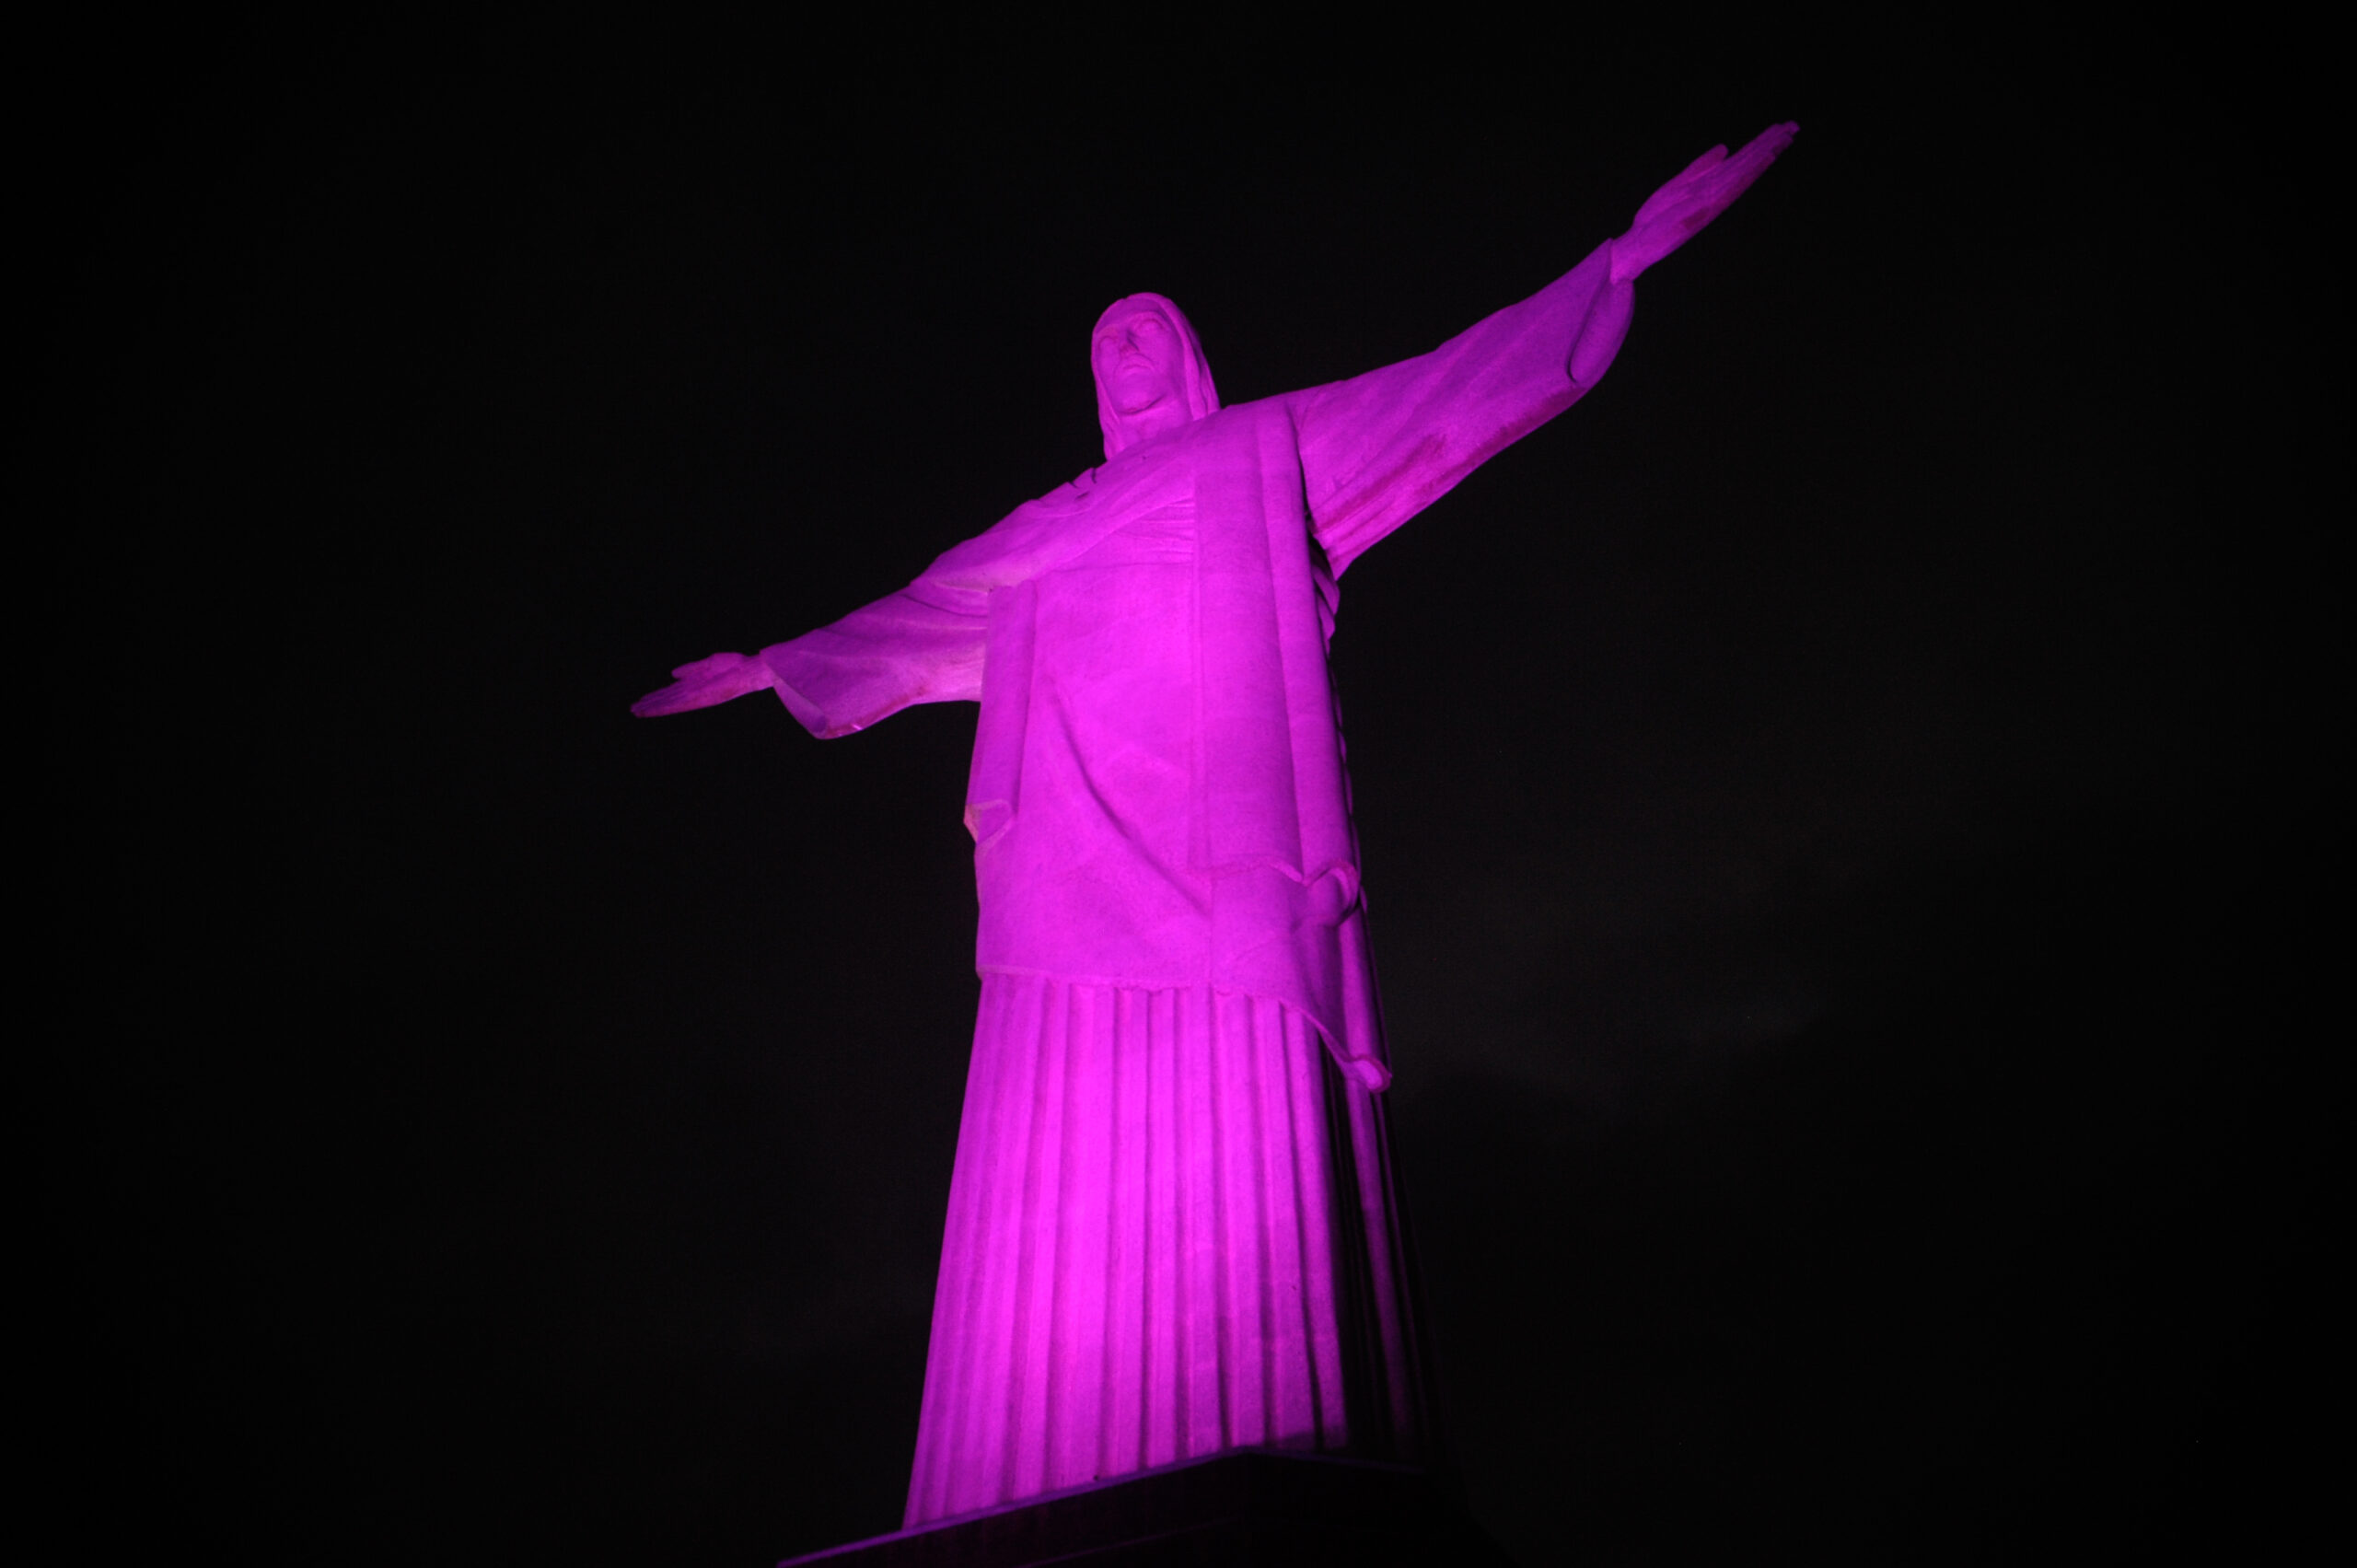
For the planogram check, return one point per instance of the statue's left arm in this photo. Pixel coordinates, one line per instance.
(1378, 448)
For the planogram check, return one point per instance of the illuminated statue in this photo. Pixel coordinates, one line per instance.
(1171, 1229)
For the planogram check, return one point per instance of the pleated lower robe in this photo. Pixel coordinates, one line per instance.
(1172, 1232)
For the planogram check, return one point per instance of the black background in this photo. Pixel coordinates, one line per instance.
(1850, 811)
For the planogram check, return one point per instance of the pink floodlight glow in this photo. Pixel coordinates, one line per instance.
(1172, 1229)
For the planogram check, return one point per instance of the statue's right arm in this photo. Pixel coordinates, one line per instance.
(917, 645)
(720, 679)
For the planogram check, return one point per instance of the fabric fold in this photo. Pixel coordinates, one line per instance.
(1169, 1226)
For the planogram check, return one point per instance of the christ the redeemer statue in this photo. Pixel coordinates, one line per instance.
(1171, 1227)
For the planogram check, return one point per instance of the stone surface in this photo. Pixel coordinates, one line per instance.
(1173, 1231)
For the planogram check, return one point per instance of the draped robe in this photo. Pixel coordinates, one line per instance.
(1172, 1226)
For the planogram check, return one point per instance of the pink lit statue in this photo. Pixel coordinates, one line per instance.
(1171, 1227)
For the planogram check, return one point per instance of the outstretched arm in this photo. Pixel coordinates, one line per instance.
(1380, 448)
(720, 679)
(918, 645)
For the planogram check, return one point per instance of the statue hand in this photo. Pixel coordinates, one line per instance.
(719, 678)
(1681, 209)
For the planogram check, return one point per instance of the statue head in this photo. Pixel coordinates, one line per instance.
(1151, 374)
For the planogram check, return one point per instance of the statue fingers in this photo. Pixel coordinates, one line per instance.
(1729, 180)
(1678, 188)
(1707, 160)
(708, 666)
(654, 704)
(1757, 154)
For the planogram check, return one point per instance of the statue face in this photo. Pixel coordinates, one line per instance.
(1140, 363)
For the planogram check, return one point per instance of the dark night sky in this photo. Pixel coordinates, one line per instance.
(1848, 810)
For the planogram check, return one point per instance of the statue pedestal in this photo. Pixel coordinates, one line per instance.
(1253, 1506)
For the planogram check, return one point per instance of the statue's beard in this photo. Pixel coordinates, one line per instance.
(1144, 400)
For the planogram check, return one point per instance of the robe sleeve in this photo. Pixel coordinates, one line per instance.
(923, 645)
(1380, 448)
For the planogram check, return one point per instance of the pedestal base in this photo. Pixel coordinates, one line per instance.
(1254, 1507)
